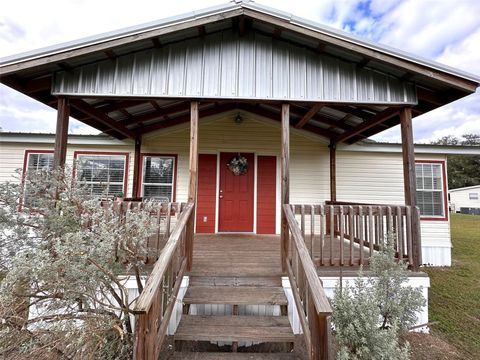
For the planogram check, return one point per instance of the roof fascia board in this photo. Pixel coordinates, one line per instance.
(458, 79)
(72, 139)
(465, 188)
(342, 35)
(419, 149)
(78, 48)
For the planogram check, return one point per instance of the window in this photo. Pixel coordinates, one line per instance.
(473, 196)
(430, 192)
(102, 174)
(35, 162)
(158, 177)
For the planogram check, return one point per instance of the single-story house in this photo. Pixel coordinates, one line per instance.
(465, 200)
(258, 120)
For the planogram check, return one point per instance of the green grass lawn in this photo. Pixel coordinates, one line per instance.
(454, 297)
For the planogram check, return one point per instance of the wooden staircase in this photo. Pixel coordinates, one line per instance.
(235, 328)
(236, 271)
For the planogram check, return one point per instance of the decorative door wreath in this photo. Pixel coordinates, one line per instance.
(238, 165)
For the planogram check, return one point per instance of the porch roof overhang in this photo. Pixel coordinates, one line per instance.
(341, 87)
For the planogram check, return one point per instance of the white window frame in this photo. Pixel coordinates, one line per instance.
(441, 190)
(78, 158)
(174, 175)
(473, 196)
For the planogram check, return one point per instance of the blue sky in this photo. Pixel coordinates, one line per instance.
(447, 31)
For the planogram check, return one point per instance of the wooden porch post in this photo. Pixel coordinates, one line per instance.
(409, 181)
(61, 133)
(192, 184)
(136, 167)
(285, 173)
(333, 171)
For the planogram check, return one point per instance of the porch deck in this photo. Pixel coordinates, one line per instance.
(250, 255)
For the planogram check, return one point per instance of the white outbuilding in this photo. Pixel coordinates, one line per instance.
(465, 200)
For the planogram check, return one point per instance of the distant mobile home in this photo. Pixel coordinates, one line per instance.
(465, 200)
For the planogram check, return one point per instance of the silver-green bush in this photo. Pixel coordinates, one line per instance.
(62, 296)
(370, 315)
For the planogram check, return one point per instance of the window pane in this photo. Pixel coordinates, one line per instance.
(158, 170)
(429, 193)
(437, 203)
(103, 175)
(437, 177)
(116, 175)
(36, 163)
(161, 192)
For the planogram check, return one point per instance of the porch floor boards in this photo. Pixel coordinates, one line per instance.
(236, 255)
(250, 255)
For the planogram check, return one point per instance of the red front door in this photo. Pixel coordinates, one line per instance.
(236, 196)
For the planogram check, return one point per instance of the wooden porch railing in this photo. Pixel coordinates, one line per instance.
(312, 304)
(164, 216)
(156, 303)
(347, 234)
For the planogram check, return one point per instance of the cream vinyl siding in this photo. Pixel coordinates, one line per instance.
(12, 156)
(378, 178)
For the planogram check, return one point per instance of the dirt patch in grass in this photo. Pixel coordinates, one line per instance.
(429, 347)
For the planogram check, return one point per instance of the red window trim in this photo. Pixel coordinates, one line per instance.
(140, 173)
(24, 170)
(125, 175)
(444, 183)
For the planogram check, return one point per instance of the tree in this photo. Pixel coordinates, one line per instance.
(63, 295)
(463, 170)
(369, 316)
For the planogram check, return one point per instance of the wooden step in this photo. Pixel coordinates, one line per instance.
(232, 356)
(235, 295)
(235, 328)
(235, 281)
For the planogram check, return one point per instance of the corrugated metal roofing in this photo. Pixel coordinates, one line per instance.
(227, 66)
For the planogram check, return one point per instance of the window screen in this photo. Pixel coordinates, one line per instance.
(429, 193)
(158, 177)
(102, 175)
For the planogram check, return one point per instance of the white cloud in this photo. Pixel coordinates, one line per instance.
(23, 114)
(464, 54)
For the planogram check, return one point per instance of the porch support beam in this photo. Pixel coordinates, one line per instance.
(192, 183)
(285, 173)
(61, 133)
(333, 171)
(102, 118)
(136, 167)
(374, 121)
(409, 181)
(304, 120)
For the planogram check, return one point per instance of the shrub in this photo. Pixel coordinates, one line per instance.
(62, 296)
(370, 315)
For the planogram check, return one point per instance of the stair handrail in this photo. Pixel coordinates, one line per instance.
(311, 301)
(155, 304)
